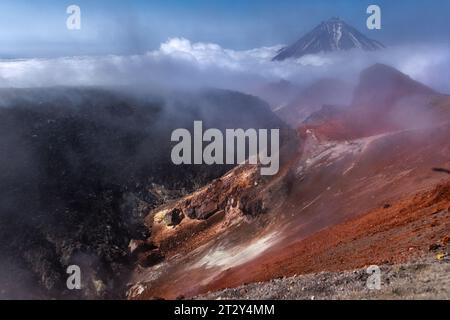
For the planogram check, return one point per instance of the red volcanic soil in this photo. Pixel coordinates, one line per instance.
(360, 191)
(391, 234)
(332, 217)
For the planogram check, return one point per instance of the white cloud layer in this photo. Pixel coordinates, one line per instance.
(179, 62)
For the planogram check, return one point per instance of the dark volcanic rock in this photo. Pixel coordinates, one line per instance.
(150, 258)
(81, 168)
(252, 207)
(206, 210)
(138, 246)
(174, 217)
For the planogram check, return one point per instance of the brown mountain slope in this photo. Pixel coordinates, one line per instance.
(312, 98)
(368, 177)
(385, 100)
(330, 183)
(407, 229)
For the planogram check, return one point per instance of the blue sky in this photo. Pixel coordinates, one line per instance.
(36, 28)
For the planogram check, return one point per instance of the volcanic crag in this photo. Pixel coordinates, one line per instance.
(359, 189)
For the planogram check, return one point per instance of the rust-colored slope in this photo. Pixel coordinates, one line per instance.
(394, 234)
(330, 183)
(350, 167)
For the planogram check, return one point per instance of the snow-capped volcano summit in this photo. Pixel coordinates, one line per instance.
(331, 35)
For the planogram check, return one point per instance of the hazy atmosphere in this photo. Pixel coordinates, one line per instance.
(134, 138)
(227, 45)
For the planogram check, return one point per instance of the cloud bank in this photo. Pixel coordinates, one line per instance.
(180, 63)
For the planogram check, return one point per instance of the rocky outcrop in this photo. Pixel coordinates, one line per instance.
(84, 167)
(242, 195)
(174, 217)
(238, 188)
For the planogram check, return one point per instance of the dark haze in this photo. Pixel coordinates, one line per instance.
(80, 167)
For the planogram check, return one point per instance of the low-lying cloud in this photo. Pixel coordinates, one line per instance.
(181, 63)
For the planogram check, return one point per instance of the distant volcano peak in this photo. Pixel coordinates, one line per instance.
(331, 35)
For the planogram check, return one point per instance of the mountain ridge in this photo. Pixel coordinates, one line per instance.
(331, 35)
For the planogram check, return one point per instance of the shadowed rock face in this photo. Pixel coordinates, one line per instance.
(81, 167)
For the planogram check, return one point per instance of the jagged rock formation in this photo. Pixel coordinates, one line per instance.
(81, 169)
(355, 186)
